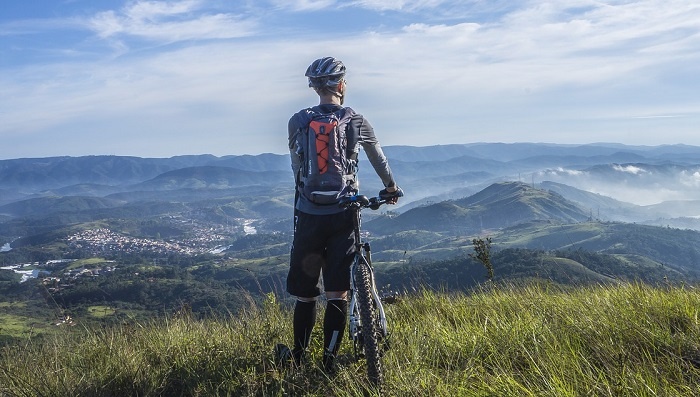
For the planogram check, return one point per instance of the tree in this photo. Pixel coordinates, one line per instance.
(482, 253)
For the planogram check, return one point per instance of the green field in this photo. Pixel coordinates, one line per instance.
(100, 311)
(88, 263)
(16, 326)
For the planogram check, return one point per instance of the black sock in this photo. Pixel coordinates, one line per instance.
(334, 325)
(304, 319)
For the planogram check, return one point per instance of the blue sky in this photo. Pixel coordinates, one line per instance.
(165, 78)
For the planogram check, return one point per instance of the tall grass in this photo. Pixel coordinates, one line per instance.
(625, 340)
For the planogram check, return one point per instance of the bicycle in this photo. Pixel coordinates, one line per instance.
(367, 320)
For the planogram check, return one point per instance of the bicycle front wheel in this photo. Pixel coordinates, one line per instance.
(371, 332)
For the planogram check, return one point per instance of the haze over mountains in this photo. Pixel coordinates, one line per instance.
(657, 185)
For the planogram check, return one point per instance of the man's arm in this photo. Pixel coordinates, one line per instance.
(374, 152)
(293, 131)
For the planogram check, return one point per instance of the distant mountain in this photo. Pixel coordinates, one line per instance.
(499, 205)
(429, 153)
(584, 198)
(47, 205)
(639, 183)
(10, 195)
(675, 208)
(57, 172)
(82, 189)
(607, 208)
(599, 206)
(257, 163)
(508, 152)
(574, 161)
(645, 176)
(438, 167)
(214, 177)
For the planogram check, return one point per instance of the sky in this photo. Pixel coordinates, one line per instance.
(183, 77)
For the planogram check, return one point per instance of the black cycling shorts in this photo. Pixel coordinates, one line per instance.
(322, 243)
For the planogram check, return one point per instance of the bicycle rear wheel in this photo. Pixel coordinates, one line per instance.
(371, 332)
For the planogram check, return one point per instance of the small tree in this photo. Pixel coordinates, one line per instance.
(482, 253)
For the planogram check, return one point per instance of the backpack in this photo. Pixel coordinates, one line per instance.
(328, 169)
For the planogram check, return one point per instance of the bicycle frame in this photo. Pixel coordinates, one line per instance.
(363, 258)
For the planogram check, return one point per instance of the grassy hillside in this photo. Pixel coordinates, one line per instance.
(499, 205)
(537, 340)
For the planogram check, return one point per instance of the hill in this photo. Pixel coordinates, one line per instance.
(47, 205)
(497, 206)
(213, 177)
(600, 206)
(536, 340)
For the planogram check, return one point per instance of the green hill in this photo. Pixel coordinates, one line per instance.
(535, 340)
(499, 205)
(673, 248)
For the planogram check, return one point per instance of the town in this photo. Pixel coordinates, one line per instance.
(103, 242)
(201, 239)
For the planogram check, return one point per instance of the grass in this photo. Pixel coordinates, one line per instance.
(87, 262)
(6, 304)
(20, 321)
(536, 340)
(100, 311)
(14, 326)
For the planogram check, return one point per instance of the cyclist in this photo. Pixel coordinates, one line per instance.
(323, 234)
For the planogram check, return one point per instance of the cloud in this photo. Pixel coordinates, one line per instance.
(690, 179)
(191, 94)
(630, 169)
(304, 5)
(401, 5)
(460, 71)
(546, 44)
(560, 171)
(170, 22)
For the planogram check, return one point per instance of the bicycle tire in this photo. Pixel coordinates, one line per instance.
(371, 333)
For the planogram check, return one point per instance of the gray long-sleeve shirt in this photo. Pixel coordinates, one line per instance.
(359, 133)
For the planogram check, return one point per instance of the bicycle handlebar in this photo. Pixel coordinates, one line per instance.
(362, 201)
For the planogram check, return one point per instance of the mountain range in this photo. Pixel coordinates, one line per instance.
(159, 233)
(655, 185)
(451, 190)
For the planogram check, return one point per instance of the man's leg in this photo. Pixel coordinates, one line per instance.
(304, 320)
(336, 276)
(306, 261)
(334, 323)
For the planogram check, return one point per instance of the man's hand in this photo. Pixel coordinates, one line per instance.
(391, 194)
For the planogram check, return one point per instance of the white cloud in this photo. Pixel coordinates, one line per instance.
(304, 5)
(154, 10)
(630, 169)
(690, 179)
(565, 172)
(170, 22)
(554, 71)
(400, 5)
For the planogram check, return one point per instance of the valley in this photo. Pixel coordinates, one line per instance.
(146, 237)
